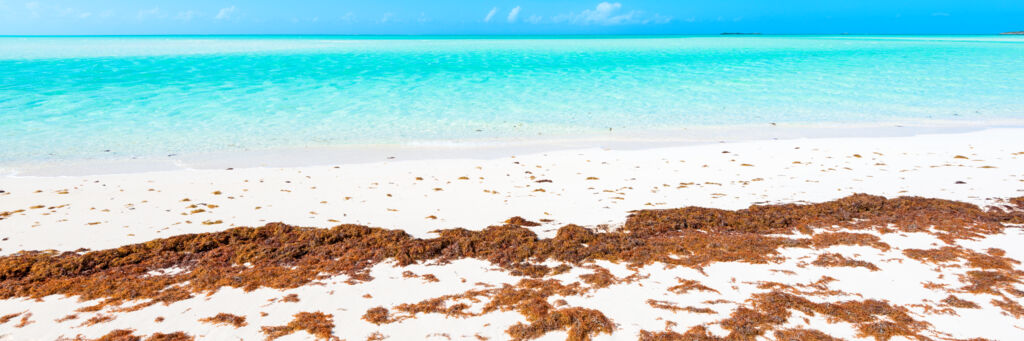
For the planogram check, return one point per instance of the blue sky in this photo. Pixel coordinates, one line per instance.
(21, 17)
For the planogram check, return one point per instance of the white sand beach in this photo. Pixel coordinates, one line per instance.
(594, 187)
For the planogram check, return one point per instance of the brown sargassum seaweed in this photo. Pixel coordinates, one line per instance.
(317, 324)
(227, 319)
(283, 256)
(129, 335)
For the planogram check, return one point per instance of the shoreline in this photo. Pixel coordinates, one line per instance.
(489, 148)
(592, 186)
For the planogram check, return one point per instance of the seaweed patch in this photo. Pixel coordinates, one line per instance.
(282, 256)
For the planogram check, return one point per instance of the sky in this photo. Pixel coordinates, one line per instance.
(144, 17)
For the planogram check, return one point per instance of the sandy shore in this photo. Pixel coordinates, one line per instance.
(595, 188)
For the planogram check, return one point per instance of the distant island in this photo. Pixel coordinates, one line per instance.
(1014, 32)
(738, 33)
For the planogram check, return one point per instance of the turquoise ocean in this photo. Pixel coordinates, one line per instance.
(64, 98)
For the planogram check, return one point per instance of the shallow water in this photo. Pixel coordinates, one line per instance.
(67, 98)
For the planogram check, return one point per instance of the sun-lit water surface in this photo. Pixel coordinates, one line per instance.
(91, 97)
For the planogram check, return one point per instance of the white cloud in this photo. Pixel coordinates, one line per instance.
(658, 19)
(33, 7)
(37, 9)
(534, 19)
(185, 15)
(608, 13)
(387, 17)
(225, 13)
(348, 18)
(513, 14)
(149, 13)
(491, 14)
(604, 13)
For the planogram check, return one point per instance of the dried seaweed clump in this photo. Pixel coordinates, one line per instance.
(994, 259)
(119, 335)
(600, 278)
(582, 324)
(129, 335)
(996, 276)
(1010, 307)
(520, 221)
(8, 317)
(378, 315)
(317, 324)
(992, 282)
(835, 259)
(698, 333)
(175, 336)
(529, 297)
(767, 311)
(676, 308)
(686, 285)
(957, 302)
(828, 239)
(952, 220)
(227, 319)
(98, 319)
(872, 318)
(803, 335)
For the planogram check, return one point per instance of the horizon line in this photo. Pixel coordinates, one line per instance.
(498, 35)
